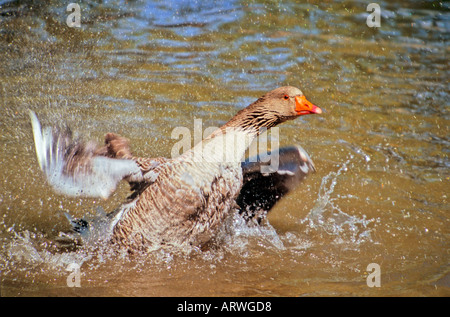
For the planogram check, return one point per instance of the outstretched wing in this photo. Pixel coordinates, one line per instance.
(77, 168)
(265, 182)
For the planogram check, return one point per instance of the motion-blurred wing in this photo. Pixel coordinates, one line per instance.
(81, 169)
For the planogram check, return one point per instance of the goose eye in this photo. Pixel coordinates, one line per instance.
(286, 97)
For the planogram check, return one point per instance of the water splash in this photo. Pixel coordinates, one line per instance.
(29, 252)
(326, 214)
(236, 235)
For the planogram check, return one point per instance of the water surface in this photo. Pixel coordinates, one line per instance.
(142, 68)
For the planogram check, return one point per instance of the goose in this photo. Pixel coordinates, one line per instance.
(179, 201)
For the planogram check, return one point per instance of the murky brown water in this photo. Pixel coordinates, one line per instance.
(380, 194)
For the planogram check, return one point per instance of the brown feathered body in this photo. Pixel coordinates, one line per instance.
(185, 205)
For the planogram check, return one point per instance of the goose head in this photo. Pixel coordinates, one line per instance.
(276, 106)
(289, 102)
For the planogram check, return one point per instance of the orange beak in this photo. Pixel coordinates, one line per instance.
(303, 106)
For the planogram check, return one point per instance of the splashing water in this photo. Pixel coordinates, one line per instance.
(237, 234)
(326, 215)
(32, 253)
